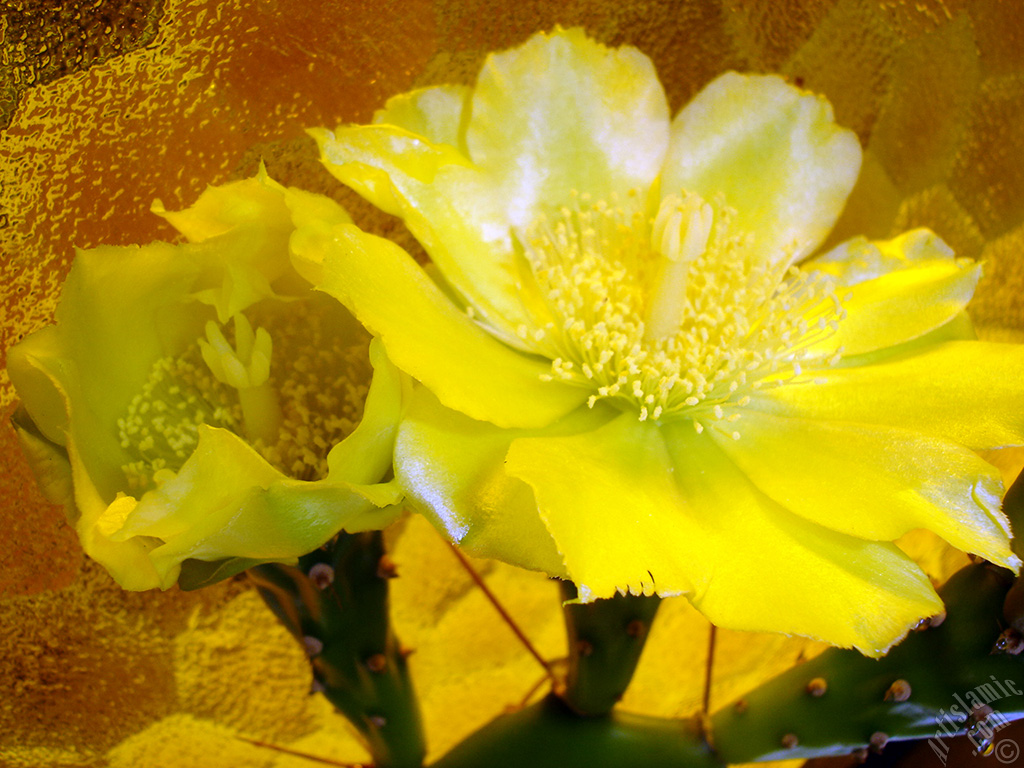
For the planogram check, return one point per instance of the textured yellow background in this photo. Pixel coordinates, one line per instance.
(106, 105)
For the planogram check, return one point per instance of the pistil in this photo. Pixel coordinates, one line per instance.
(246, 367)
(679, 237)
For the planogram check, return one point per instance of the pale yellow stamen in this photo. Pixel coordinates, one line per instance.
(319, 393)
(673, 316)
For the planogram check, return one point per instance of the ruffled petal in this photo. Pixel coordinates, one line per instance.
(453, 471)
(873, 482)
(227, 501)
(438, 113)
(77, 377)
(967, 392)
(561, 113)
(921, 287)
(642, 508)
(427, 337)
(775, 155)
(365, 455)
(609, 500)
(448, 205)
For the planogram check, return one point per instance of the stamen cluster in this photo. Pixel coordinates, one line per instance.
(670, 314)
(318, 386)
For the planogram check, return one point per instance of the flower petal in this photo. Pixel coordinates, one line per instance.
(873, 482)
(964, 391)
(453, 471)
(561, 113)
(365, 455)
(227, 501)
(437, 113)
(645, 508)
(923, 288)
(775, 154)
(77, 377)
(446, 203)
(430, 339)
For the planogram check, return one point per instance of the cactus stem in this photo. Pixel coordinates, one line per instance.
(336, 605)
(606, 638)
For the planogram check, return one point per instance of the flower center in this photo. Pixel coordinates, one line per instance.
(671, 315)
(294, 387)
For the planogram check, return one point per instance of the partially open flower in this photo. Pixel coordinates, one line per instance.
(633, 375)
(201, 402)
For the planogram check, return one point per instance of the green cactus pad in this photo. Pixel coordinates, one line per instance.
(926, 688)
(550, 735)
(336, 604)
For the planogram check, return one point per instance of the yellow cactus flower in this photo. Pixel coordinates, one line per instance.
(634, 373)
(200, 402)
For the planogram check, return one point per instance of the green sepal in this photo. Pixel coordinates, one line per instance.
(549, 734)
(606, 638)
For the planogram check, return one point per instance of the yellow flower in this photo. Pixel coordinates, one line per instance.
(202, 402)
(633, 374)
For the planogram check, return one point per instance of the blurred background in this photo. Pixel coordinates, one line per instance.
(106, 105)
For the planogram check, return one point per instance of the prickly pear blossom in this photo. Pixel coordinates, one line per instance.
(200, 402)
(634, 373)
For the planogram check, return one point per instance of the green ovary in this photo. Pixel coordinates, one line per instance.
(292, 405)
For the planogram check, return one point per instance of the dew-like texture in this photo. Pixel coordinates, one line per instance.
(113, 104)
(92, 33)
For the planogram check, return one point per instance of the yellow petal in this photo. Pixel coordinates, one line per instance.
(436, 113)
(964, 391)
(364, 457)
(452, 210)
(873, 482)
(561, 113)
(426, 336)
(454, 471)
(632, 506)
(773, 152)
(914, 295)
(227, 501)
